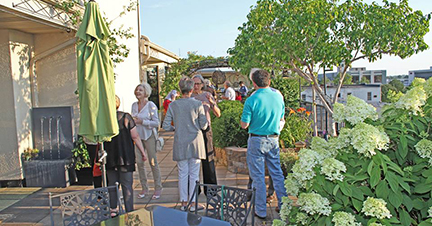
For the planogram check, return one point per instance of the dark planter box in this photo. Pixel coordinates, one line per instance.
(47, 173)
(84, 176)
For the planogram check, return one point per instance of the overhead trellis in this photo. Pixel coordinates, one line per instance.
(210, 63)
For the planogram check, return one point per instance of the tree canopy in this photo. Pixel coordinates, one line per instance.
(305, 36)
(179, 69)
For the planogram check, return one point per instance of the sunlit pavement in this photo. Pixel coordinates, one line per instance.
(30, 206)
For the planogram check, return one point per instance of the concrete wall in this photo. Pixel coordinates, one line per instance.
(56, 74)
(127, 73)
(16, 49)
(8, 138)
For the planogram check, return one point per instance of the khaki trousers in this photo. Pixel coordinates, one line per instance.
(150, 149)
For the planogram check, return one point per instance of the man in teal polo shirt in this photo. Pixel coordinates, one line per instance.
(263, 113)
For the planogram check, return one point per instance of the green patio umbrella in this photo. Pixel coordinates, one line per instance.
(98, 118)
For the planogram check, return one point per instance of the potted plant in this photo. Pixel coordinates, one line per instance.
(81, 162)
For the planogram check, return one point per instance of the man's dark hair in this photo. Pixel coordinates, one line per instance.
(241, 82)
(261, 78)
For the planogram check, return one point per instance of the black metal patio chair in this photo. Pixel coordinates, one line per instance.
(86, 207)
(226, 203)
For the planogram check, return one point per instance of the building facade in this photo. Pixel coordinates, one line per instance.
(425, 74)
(38, 70)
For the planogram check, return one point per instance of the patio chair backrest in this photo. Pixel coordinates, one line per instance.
(86, 207)
(226, 203)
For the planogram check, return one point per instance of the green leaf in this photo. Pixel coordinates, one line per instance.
(336, 206)
(382, 190)
(335, 189)
(370, 167)
(422, 188)
(367, 191)
(404, 217)
(392, 180)
(395, 198)
(393, 166)
(425, 223)
(427, 173)
(405, 186)
(375, 177)
(345, 188)
(408, 203)
(403, 147)
(357, 193)
(357, 204)
(418, 204)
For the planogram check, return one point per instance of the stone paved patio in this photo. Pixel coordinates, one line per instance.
(30, 206)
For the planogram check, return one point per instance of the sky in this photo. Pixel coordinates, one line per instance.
(210, 27)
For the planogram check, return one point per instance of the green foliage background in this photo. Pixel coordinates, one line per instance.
(226, 129)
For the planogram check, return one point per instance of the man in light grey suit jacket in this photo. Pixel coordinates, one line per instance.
(189, 119)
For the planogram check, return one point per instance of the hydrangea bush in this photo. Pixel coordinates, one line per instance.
(378, 171)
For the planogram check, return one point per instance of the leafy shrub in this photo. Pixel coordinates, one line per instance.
(374, 173)
(226, 129)
(288, 157)
(297, 128)
(289, 87)
(80, 154)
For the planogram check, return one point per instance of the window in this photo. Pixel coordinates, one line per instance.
(355, 79)
(369, 96)
(303, 96)
(339, 95)
(377, 78)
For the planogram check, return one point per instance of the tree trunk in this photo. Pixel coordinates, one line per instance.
(314, 113)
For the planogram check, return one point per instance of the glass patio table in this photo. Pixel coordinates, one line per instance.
(161, 216)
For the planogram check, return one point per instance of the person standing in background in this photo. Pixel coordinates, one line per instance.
(168, 99)
(190, 120)
(229, 91)
(209, 88)
(243, 89)
(121, 159)
(263, 113)
(145, 114)
(209, 103)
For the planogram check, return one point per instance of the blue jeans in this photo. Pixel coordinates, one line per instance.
(262, 150)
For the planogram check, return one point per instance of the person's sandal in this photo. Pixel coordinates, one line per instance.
(142, 194)
(192, 208)
(113, 212)
(157, 194)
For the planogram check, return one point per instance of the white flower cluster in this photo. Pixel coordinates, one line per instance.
(332, 168)
(291, 185)
(341, 142)
(313, 203)
(412, 100)
(430, 211)
(301, 218)
(424, 149)
(344, 219)
(375, 208)
(303, 168)
(366, 138)
(323, 148)
(427, 86)
(375, 224)
(285, 208)
(355, 111)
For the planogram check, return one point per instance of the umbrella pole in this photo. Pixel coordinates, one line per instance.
(102, 159)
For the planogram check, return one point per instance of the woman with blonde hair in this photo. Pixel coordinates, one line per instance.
(145, 114)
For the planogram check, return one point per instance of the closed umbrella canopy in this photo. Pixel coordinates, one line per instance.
(98, 119)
